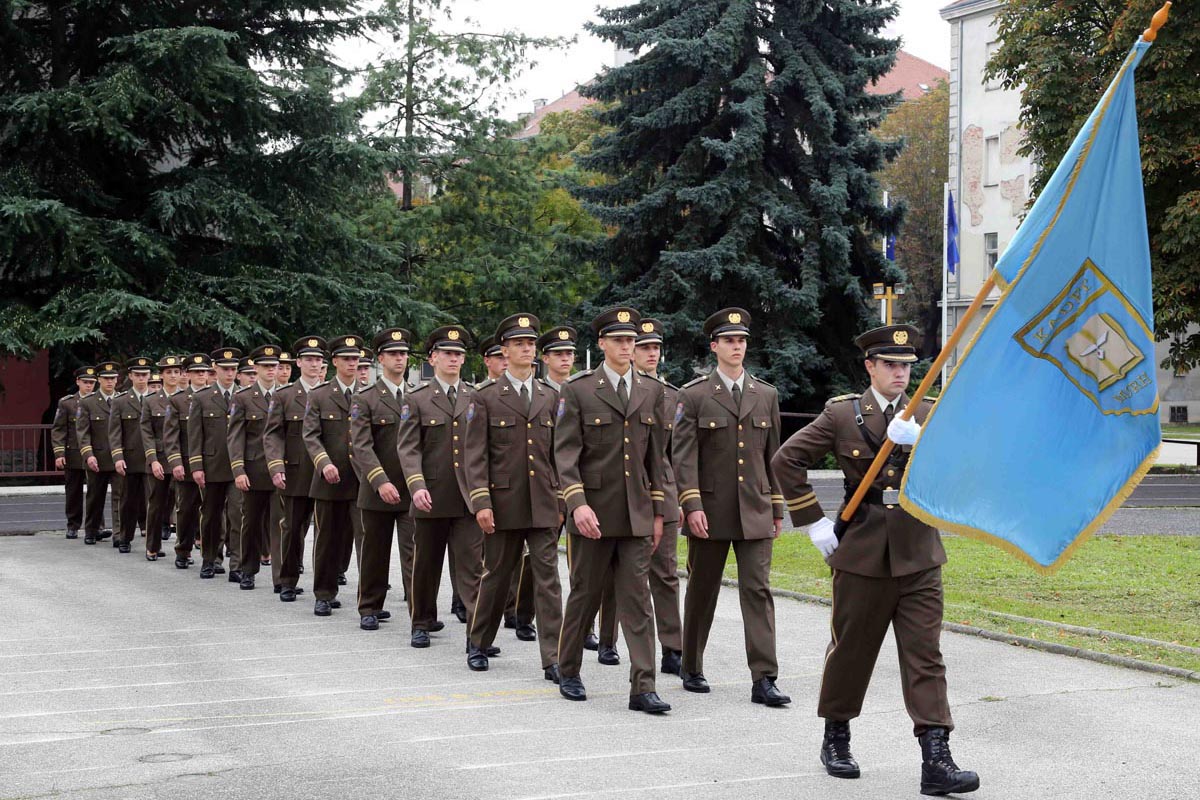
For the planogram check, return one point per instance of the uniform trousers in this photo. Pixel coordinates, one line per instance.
(520, 602)
(664, 592)
(297, 515)
(98, 484)
(375, 556)
(212, 521)
(158, 509)
(187, 528)
(432, 536)
(335, 533)
(76, 479)
(863, 608)
(256, 523)
(589, 562)
(502, 552)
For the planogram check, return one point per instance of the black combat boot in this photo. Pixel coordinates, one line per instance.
(939, 774)
(835, 750)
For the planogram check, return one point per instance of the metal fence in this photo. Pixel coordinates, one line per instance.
(25, 452)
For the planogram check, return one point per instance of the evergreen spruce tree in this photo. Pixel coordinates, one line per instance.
(741, 163)
(173, 174)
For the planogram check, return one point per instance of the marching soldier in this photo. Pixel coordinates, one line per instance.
(153, 423)
(433, 424)
(609, 448)
(887, 565)
(65, 442)
(288, 461)
(520, 618)
(366, 360)
(664, 574)
(177, 454)
(247, 421)
(383, 499)
(334, 485)
(726, 430)
(129, 453)
(91, 427)
(515, 493)
(283, 373)
(207, 435)
(245, 373)
(273, 545)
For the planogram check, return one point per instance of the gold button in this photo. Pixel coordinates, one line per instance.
(456, 451)
(891, 472)
(888, 489)
(597, 420)
(741, 461)
(456, 423)
(528, 424)
(532, 473)
(739, 427)
(627, 456)
(456, 465)
(890, 507)
(456, 437)
(713, 425)
(853, 452)
(531, 458)
(741, 444)
(502, 423)
(626, 473)
(741, 479)
(626, 423)
(626, 440)
(530, 441)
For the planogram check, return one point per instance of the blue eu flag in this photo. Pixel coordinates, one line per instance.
(1051, 417)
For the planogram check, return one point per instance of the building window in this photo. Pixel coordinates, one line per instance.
(995, 83)
(1179, 415)
(991, 249)
(991, 161)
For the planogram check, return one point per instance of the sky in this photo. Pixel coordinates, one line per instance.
(922, 31)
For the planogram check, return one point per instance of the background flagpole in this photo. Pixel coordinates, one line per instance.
(945, 273)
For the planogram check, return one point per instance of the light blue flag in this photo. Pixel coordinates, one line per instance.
(1051, 417)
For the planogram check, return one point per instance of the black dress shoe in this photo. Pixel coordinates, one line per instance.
(335, 603)
(608, 655)
(527, 633)
(419, 639)
(321, 608)
(247, 582)
(491, 650)
(590, 642)
(72, 534)
(341, 580)
(552, 674)
(116, 542)
(477, 660)
(152, 556)
(191, 561)
(835, 750)
(235, 576)
(301, 569)
(181, 563)
(89, 538)
(207, 570)
(278, 588)
(649, 702)
(696, 682)
(161, 553)
(939, 774)
(572, 688)
(510, 621)
(436, 626)
(765, 693)
(287, 595)
(124, 547)
(384, 615)
(460, 612)
(105, 534)
(220, 570)
(369, 623)
(165, 533)
(672, 662)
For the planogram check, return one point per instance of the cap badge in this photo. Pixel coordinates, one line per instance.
(91, 371)
(564, 335)
(312, 342)
(647, 327)
(170, 361)
(452, 335)
(523, 322)
(735, 318)
(900, 337)
(622, 316)
(349, 341)
(269, 351)
(141, 362)
(198, 359)
(397, 336)
(228, 354)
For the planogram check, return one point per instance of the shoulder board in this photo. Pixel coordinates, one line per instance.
(322, 383)
(579, 375)
(418, 387)
(761, 382)
(484, 384)
(544, 382)
(929, 398)
(120, 394)
(695, 381)
(665, 382)
(243, 389)
(841, 398)
(66, 397)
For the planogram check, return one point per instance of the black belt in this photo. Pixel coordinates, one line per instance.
(873, 495)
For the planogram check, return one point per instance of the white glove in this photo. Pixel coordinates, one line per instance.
(823, 538)
(903, 431)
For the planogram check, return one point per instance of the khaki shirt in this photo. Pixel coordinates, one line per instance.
(722, 456)
(883, 539)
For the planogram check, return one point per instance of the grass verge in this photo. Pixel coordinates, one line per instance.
(1136, 585)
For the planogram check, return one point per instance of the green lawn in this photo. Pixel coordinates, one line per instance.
(1139, 585)
(1181, 431)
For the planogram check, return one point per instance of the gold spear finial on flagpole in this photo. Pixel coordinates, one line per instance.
(1157, 21)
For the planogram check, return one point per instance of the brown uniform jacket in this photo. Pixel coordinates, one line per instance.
(153, 422)
(247, 422)
(175, 439)
(431, 448)
(723, 456)
(283, 439)
(882, 540)
(326, 435)
(207, 434)
(510, 455)
(374, 436)
(609, 459)
(91, 426)
(125, 432)
(63, 437)
(670, 482)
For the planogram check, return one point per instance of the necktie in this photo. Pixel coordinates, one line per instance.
(889, 411)
(525, 396)
(623, 394)
(737, 397)
(108, 402)
(452, 393)
(346, 392)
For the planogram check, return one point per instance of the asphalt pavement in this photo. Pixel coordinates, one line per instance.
(1161, 504)
(124, 679)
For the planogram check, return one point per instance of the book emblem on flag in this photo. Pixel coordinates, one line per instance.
(1098, 339)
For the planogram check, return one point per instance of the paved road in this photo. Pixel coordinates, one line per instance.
(122, 680)
(24, 513)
